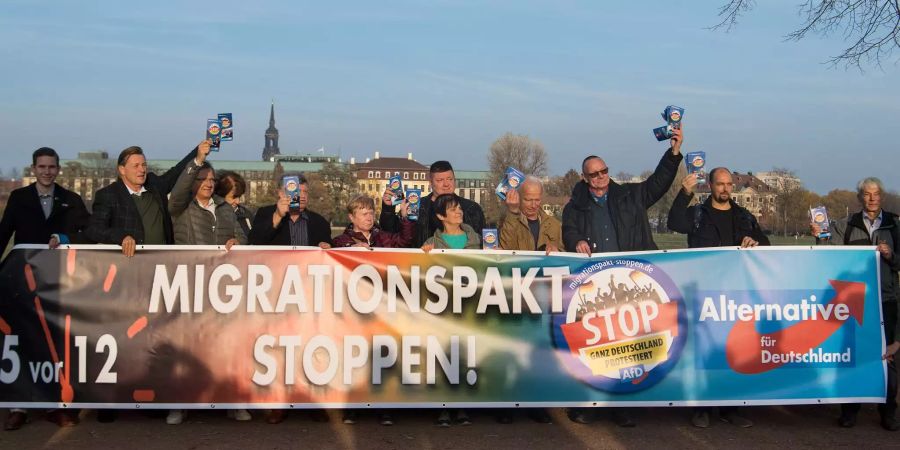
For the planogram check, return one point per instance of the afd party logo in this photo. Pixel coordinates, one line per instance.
(759, 331)
(623, 327)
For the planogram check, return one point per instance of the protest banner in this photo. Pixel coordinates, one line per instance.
(264, 327)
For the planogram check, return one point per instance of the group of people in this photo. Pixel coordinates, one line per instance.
(192, 204)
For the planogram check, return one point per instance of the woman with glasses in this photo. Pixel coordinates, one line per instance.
(202, 218)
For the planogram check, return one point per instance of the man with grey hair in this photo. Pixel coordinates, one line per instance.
(526, 225)
(875, 226)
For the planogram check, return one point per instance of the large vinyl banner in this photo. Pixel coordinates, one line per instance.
(198, 327)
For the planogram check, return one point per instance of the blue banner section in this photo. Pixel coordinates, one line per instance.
(773, 325)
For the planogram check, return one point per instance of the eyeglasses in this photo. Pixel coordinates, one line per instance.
(596, 174)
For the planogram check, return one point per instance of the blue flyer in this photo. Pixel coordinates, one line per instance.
(395, 184)
(214, 133)
(819, 216)
(227, 133)
(413, 197)
(490, 239)
(511, 181)
(696, 163)
(291, 185)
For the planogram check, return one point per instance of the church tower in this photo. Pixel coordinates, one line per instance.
(271, 148)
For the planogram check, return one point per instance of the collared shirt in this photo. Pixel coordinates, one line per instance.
(300, 229)
(47, 202)
(603, 231)
(138, 193)
(872, 225)
(210, 206)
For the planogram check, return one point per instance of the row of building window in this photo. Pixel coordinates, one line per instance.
(387, 174)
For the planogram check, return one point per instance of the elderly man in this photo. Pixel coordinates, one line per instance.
(875, 226)
(603, 216)
(717, 222)
(527, 226)
(443, 181)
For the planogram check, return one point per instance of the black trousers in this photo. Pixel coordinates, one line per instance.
(889, 310)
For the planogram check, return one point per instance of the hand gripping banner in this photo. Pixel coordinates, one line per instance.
(198, 327)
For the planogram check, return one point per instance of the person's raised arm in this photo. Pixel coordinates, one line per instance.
(198, 155)
(658, 183)
(681, 217)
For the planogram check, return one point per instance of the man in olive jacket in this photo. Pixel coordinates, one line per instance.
(526, 225)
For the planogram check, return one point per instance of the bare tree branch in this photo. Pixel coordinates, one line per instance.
(730, 13)
(872, 27)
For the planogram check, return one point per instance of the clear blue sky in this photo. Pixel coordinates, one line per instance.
(443, 79)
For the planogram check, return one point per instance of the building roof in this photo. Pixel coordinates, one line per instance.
(472, 174)
(251, 166)
(392, 163)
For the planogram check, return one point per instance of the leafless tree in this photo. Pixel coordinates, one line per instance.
(512, 150)
(519, 151)
(562, 185)
(871, 28)
(792, 203)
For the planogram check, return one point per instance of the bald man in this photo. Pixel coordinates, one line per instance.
(527, 226)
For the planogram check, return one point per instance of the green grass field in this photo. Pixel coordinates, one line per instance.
(665, 241)
(668, 241)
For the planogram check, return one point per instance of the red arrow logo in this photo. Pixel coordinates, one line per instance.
(743, 348)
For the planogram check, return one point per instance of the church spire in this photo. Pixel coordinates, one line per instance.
(271, 149)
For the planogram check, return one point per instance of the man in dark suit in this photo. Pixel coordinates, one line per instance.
(43, 213)
(279, 224)
(134, 210)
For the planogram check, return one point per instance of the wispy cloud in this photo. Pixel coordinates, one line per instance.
(699, 90)
(472, 83)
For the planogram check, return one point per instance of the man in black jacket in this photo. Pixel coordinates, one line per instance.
(279, 224)
(717, 222)
(875, 226)
(134, 210)
(443, 181)
(43, 213)
(603, 216)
